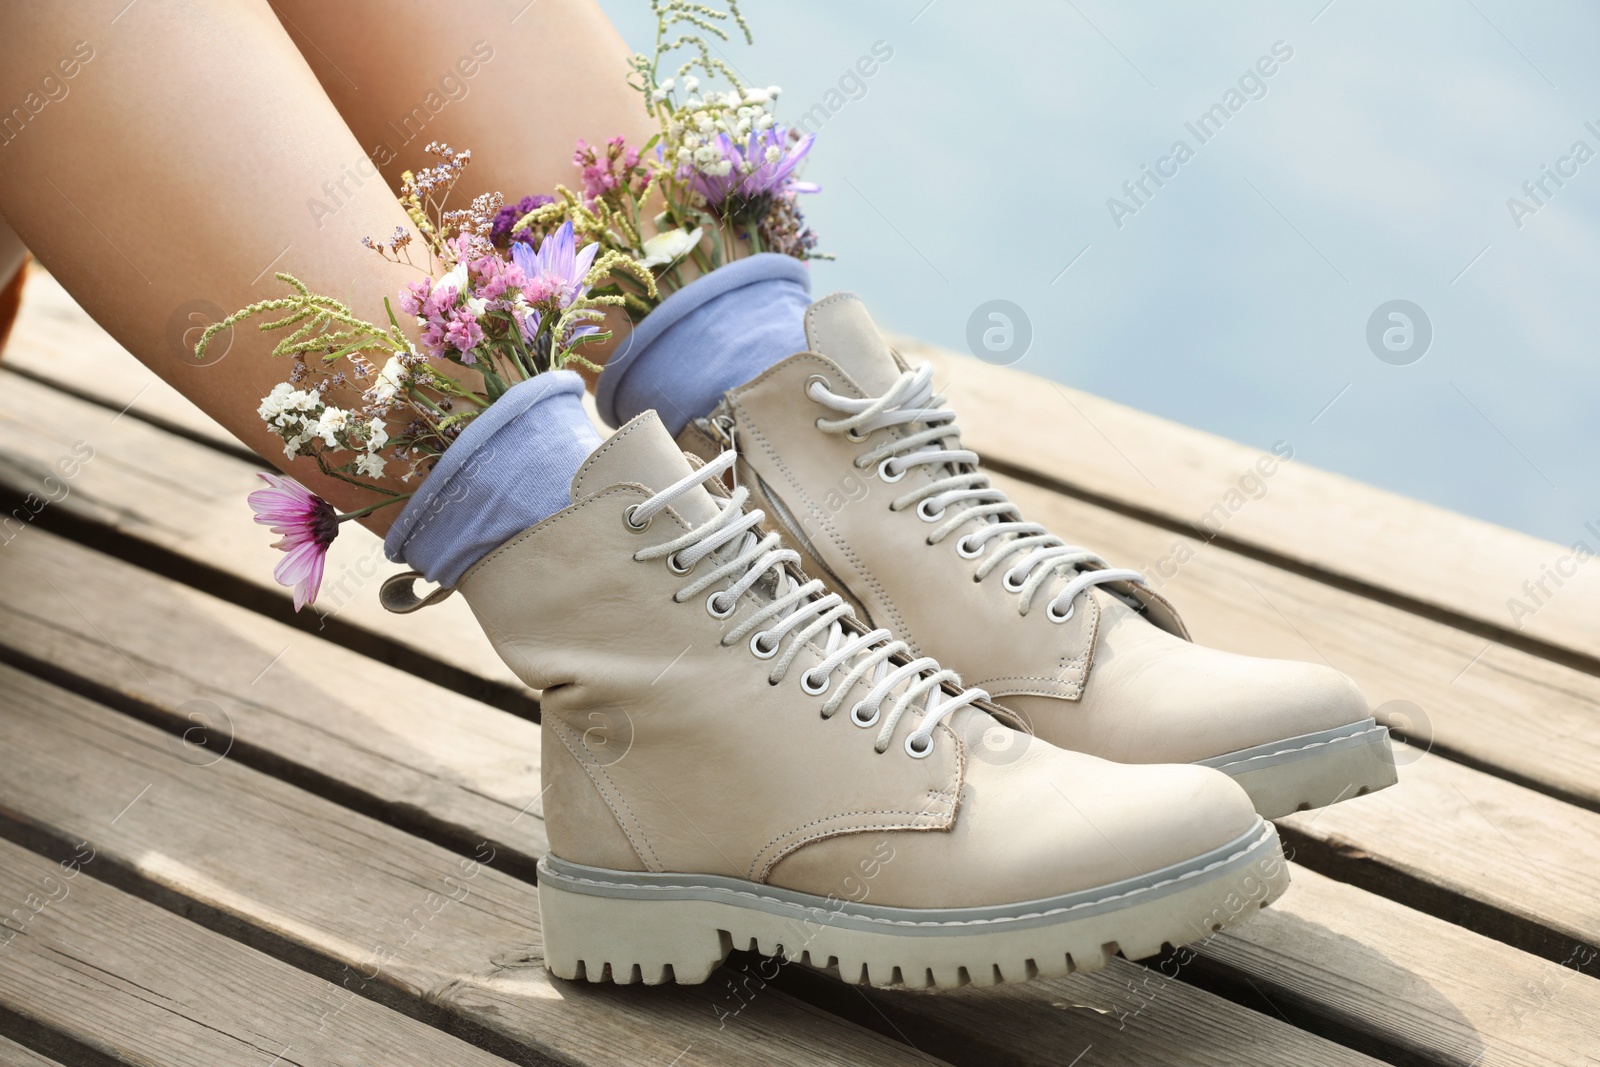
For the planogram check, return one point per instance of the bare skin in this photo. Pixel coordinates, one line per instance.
(193, 152)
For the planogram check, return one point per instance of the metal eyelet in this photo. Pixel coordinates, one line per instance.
(805, 387)
(1050, 612)
(677, 568)
(883, 471)
(805, 683)
(927, 514)
(758, 648)
(1011, 587)
(711, 606)
(856, 438)
(968, 553)
(918, 753)
(855, 715)
(627, 519)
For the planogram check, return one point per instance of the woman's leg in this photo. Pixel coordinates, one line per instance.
(13, 259)
(166, 179)
(517, 83)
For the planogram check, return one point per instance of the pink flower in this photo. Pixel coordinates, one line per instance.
(308, 524)
(463, 333)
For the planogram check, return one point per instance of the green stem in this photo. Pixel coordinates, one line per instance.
(370, 508)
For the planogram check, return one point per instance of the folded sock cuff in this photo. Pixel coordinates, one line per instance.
(511, 468)
(715, 333)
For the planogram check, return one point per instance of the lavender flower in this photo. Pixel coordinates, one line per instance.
(556, 271)
(743, 176)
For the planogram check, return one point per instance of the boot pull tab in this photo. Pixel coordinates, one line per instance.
(399, 595)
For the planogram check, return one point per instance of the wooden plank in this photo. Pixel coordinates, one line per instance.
(283, 870)
(230, 682)
(1436, 560)
(43, 624)
(437, 936)
(1475, 707)
(1463, 694)
(188, 500)
(1473, 692)
(55, 340)
(1353, 965)
(1230, 600)
(14, 1055)
(96, 976)
(1477, 850)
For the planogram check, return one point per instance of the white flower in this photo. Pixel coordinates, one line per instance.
(773, 91)
(391, 379)
(478, 305)
(369, 464)
(272, 404)
(456, 279)
(291, 446)
(330, 425)
(756, 96)
(377, 435)
(659, 95)
(669, 246)
(691, 84)
(774, 153)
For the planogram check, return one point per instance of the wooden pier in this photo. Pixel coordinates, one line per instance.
(231, 835)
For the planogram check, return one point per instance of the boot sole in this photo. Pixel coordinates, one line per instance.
(626, 927)
(1312, 770)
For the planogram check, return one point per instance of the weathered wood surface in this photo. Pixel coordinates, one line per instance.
(1353, 964)
(14, 1055)
(142, 647)
(1389, 545)
(232, 683)
(1333, 972)
(189, 500)
(97, 976)
(1463, 693)
(1446, 688)
(479, 962)
(1470, 847)
(427, 932)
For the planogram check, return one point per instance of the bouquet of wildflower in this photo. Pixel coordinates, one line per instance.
(717, 180)
(508, 291)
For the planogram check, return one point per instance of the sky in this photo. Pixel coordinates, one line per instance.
(1383, 159)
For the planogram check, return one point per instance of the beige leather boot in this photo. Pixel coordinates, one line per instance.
(859, 465)
(731, 761)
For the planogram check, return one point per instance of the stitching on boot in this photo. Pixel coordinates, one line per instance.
(651, 861)
(926, 819)
(899, 626)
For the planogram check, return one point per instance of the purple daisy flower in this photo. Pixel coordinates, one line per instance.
(556, 271)
(768, 178)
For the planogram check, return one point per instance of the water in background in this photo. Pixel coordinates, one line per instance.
(1436, 153)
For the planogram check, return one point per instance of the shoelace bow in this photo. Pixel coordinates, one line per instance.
(910, 400)
(801, 610)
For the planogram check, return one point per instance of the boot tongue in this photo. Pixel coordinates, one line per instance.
(643, 451)
(839, 327)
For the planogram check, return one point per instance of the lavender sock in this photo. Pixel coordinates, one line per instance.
(510, 468)
(715, 333)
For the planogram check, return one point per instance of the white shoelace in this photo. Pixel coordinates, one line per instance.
(801, 609)
(911, 400)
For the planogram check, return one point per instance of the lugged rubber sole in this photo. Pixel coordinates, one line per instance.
(626, 927)
(1312, 770)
